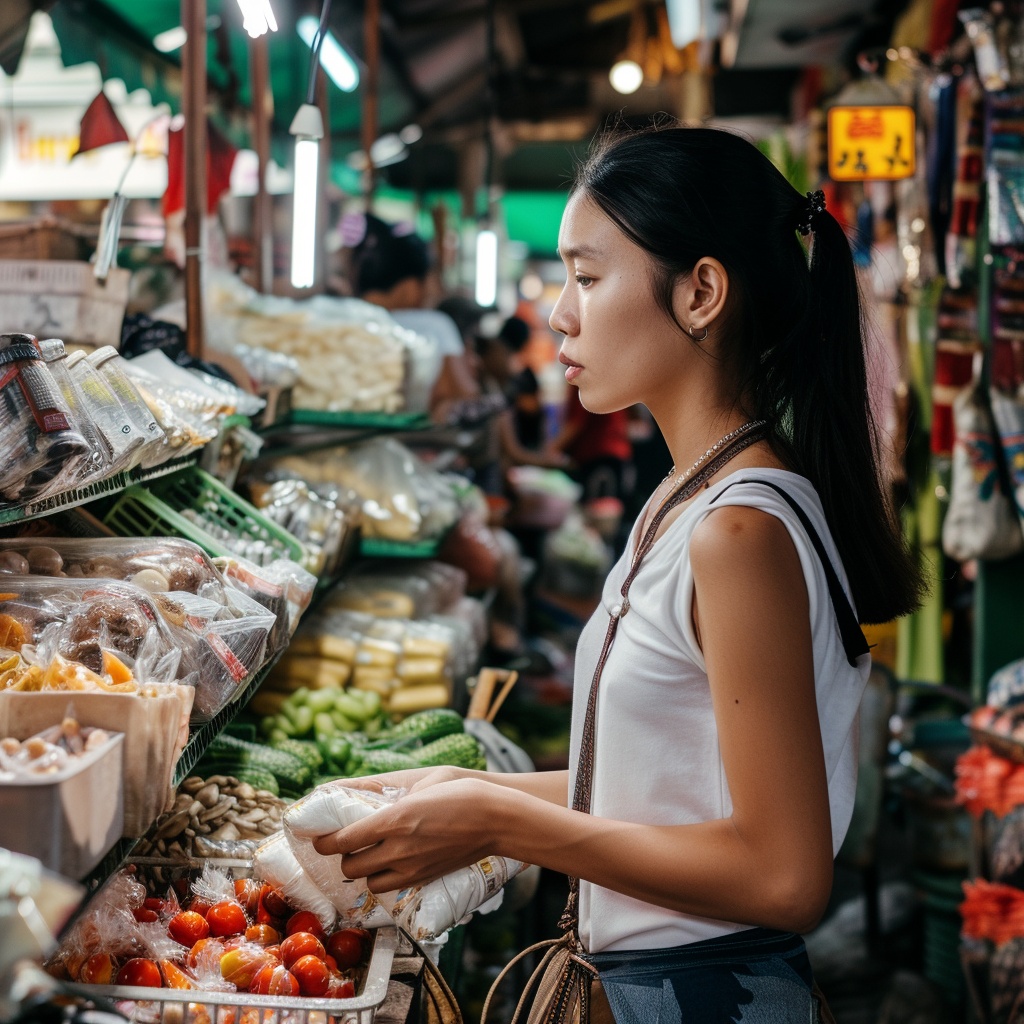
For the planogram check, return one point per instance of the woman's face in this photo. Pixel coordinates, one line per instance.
(623, 344)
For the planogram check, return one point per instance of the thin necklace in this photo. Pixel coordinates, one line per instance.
(746, 428)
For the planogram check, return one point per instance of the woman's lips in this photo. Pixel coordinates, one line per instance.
(573, 369)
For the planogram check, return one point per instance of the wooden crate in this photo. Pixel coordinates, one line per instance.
(47, 239)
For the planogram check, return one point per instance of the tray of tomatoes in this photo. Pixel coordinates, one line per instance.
(218, 947)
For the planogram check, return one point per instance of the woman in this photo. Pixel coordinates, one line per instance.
(725, 755)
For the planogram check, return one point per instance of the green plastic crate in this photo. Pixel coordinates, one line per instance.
(359, 420)
(156, 510)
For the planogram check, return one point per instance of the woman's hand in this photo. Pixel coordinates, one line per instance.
(433, 830)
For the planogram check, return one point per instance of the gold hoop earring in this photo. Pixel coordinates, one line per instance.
(703, 337)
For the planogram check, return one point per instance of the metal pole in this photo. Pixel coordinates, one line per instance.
(193, 19)
(323, 177)
(371, 29)
(262, 116)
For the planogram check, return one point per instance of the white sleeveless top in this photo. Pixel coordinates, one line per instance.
(657, 755)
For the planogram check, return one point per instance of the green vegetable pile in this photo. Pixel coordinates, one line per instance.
(322, 735)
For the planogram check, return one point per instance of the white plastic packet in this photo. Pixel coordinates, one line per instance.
(275, 863)
(424, 911)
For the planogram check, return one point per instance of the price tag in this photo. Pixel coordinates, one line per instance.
(871, 143)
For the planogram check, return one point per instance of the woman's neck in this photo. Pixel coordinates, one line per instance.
(692, 419)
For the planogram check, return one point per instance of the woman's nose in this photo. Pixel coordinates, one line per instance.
(563, 319)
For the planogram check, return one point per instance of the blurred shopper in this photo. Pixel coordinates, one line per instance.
(714, 735)
(600, 449)
(527, 411)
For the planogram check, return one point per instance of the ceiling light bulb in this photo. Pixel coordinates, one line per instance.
(486, 268)
(334, 58)
(304, 210)
(257, 17)
(626, 76)
(171, 40)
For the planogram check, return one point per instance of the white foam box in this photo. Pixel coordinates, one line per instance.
(68, 819)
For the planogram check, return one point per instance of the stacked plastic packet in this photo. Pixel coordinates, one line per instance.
(69, 420)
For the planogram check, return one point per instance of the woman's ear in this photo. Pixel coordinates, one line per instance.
(699, 298)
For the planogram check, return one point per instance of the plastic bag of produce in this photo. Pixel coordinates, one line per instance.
(425, 911)
(43, 448)
(282, 587)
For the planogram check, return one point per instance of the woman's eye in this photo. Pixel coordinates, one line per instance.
(583, 280)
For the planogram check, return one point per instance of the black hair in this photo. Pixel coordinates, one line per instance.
(464, 311)
(792, 332)
(384, 258)
(514, 334)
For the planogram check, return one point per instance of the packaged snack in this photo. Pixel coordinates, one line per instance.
(100, 459)
(43, 449)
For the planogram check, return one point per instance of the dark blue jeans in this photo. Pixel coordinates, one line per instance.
(756, 976)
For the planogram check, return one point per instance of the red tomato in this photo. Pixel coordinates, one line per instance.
(200, 906)
(274, 902)
(346, 947)
(140, 972)
(145, 916)
(263, 934)
(188, 927)
(304, 921)
(247, 892)
(226, 918)
(301, 944)
(153, 903)
(239, 966)
(332, 964)
(97, 970)
(205, 950)
(312, 974)
(274, 980)
(274, 950)
(342, 988)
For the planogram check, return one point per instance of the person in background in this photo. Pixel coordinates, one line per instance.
(524, 392)
(600, 449)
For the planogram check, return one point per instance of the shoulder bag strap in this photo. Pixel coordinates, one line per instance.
(854, 641)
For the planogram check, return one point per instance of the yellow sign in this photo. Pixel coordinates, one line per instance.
(870, 143)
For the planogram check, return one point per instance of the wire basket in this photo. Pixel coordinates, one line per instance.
(195, 1006)
(157, 510)
(177, 1006)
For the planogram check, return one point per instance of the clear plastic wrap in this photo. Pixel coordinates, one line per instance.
(318, 522)
(425, 911)
(188, 418)
(100, 460)
(400, 589)
(42, 447)
(125, 438)
(283, 586)
(111, 366)
(84, 622)
(231, 630)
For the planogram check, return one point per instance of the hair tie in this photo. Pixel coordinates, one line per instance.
(815, 205)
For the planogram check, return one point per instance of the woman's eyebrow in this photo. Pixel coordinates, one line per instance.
(573, 252)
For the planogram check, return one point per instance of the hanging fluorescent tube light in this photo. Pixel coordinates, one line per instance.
(171, 40)
(486, 268)
(334, 58)
(308, 129)
(257, 17)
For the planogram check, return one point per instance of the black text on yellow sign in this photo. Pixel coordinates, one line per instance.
(870, 143)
